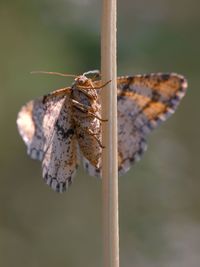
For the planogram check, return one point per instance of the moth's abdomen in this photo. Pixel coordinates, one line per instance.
(86, 114)
(88, 133)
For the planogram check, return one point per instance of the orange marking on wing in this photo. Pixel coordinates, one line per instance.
(166, 88)
(139, 99)
(154, 109)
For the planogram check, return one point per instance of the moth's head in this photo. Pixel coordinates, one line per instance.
(87, 78)
(82, 80)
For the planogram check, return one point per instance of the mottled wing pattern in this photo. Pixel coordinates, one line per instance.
(46, 127)
(35, 122)
(144, 101)
(60, 160)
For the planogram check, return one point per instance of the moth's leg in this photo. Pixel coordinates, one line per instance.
(81, 107)
(102, 85)
(61, 91)
(94, 87)
(95, 116)
(83, 89)
(86, 109)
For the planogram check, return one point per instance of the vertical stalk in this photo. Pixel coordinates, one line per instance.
(109, 136)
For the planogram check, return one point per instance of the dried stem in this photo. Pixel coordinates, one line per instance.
(110, 159)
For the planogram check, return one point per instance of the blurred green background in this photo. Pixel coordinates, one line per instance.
(160, 196)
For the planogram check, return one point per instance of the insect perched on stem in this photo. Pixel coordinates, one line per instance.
(65, 126)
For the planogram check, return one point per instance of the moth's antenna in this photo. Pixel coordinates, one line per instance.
(53, 73)
(94, 72)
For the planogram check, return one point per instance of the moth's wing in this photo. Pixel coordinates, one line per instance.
(60, 160)
(46, 127)
(144, 101)
(35, 123)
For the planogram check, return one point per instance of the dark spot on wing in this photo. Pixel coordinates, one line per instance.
(147, 76)
(155, 96)
(165, 77)
(61, 131)
(130, 80)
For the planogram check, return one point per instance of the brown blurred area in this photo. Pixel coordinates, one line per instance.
(160, 197)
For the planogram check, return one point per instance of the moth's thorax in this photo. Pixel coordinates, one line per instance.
(83, 91)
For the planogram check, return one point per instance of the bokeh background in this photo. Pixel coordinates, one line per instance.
(160, 197)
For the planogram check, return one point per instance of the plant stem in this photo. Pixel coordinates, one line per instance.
(109, 136)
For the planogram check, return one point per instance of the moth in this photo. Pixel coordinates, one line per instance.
(63, 127)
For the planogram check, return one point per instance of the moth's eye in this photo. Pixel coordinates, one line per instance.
(81, 80)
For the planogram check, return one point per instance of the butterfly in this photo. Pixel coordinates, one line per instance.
(63, 127)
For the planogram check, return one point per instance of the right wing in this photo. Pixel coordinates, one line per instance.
(36, 122)
(144, 101)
